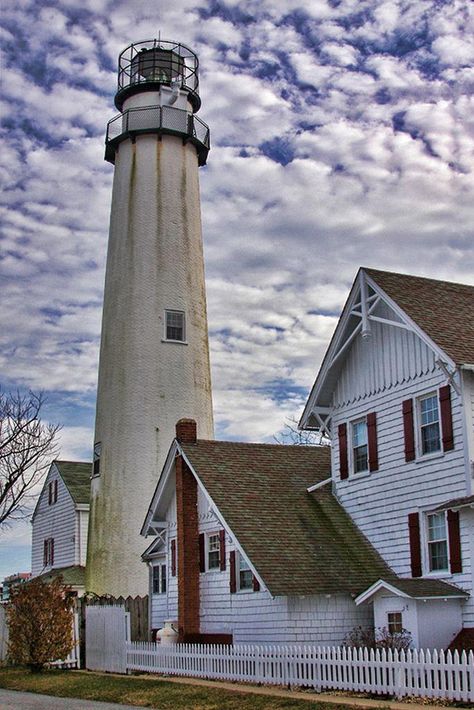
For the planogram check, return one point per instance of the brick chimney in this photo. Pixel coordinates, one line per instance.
(188, 538)
(186, 431)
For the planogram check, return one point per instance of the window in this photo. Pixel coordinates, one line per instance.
(52, 492)
(437, 543)
(213, 551)
(175, 326)
(48, 552)
(394, 622)
(360, 461)
(96, 464)
(159, 579)
(245, 575)
(429, 428)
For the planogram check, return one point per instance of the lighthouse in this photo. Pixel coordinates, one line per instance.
(154, 353)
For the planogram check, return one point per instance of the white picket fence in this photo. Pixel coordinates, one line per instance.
(73, 659)
(435, 674)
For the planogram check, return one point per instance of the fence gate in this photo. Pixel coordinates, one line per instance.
(107, 630)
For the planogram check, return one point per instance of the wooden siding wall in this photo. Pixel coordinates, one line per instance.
(390, 357)
(254, 617)
(380, 502)
(57, 521)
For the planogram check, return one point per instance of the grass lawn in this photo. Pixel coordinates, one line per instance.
(151, 693)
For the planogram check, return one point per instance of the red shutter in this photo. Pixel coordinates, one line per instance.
(455, 560)
(256, 584)
(202, 553)
(415, 546)
(408, 430)
(222, 549)
(446, 417)
(173, 557)
(232, 578)
(372, 441)
(343, 462)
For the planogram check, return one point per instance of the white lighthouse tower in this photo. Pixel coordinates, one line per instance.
(154, 356)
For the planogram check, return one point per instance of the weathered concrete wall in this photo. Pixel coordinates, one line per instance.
(154, 262)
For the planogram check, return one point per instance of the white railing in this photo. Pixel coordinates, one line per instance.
(435, 674)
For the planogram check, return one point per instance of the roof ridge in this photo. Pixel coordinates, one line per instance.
(369, 269)
(70, 461)
(261, 443)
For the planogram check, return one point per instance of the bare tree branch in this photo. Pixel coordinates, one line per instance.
(291, 435)
(27, 446)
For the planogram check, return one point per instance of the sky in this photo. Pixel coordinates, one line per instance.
(342, 135)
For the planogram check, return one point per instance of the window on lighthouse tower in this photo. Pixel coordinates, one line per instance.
(175, 329)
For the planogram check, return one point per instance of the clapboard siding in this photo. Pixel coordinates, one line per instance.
(81, 549)
(380, 373)
(57, 521)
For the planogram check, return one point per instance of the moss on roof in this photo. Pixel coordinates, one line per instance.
(74, 575)
(77, 478)
(442, 309)
(299, 542)
(419, 587)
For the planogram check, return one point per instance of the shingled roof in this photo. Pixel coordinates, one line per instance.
(77, 477)
(443, 309)
(299, 542)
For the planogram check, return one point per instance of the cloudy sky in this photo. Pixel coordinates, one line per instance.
(342, 134)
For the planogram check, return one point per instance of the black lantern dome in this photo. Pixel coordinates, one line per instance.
(144, 66)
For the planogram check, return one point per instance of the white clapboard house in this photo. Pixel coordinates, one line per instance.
(270, 543)
(59, 521)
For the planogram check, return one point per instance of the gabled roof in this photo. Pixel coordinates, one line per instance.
(443, 309)
(440, 313)
(456, 503)
(418, 588)
(298, 542)
(77, 478)
(75, 575)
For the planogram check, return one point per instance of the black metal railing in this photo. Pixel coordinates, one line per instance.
(157, 119)
(143, 65)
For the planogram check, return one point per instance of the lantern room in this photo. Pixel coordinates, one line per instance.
(144, 66)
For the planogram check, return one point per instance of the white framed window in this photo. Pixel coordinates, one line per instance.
(437, 542)
(394, 622)
(244, 576)
(359, 446)
(175, 326)
(159, 578)
(429, 429)
(213, 551)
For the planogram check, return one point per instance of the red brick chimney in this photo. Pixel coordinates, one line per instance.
(188, 538)
(186, 431)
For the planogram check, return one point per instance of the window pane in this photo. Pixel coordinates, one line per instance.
(245, 574)
(437, 542)
(213, 552)
(359, 446)
(174, 325)
(429, 425)
(436, 527)
(438, 556)
(156, 579)
(395, 625)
